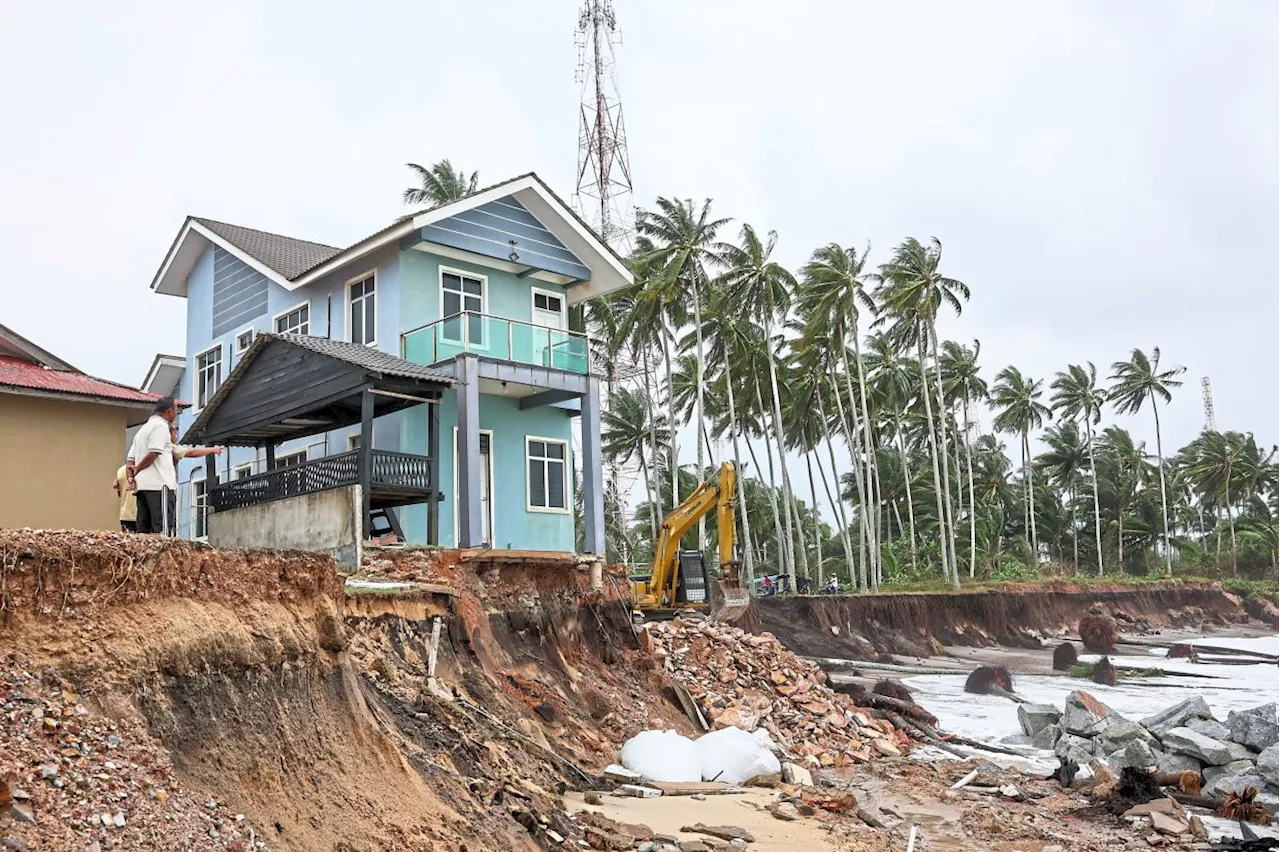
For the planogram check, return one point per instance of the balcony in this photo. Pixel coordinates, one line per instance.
(500, 339)
(395, 479)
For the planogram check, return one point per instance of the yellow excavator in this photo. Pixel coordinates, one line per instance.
(679, 579)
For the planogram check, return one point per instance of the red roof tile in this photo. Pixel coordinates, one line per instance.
(17, 373)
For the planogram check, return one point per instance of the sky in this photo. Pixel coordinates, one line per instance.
(1103, 176)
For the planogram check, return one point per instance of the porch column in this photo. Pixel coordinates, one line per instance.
(365, 464)
(470, 531)
(592, 469)
(433, 450)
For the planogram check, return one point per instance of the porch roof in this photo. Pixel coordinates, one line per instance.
(291, 385)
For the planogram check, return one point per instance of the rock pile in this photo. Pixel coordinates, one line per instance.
(1229, 757)
(752, 681)
(73, 780)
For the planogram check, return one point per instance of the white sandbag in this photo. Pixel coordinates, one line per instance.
(732, 755)
(662, 756)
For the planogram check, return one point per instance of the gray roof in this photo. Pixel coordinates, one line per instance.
(286, 255)
(374, 360)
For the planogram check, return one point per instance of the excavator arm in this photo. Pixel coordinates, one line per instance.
(660, 591)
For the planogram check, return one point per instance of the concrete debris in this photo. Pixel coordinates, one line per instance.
(751, 681)
(1187, 741)
(1256, 728)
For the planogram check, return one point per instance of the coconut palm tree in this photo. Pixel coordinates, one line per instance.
(1076, 395)
(963, 384)
(1018, 399)
(1134, 382)
(1063, 462)
(625, 433)
(763, 287)
(439, 184)
(680, 248)
(891, 385)
(911, 291)
(835, 293)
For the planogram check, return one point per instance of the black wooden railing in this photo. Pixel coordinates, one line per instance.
(397, 471)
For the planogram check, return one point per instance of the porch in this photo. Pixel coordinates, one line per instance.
(294, 386)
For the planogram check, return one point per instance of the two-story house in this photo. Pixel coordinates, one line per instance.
(480, 289)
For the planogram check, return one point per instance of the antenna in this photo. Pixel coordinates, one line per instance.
(602, 195)
(1209, 423)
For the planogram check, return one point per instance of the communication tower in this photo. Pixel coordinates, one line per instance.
(1209, 423)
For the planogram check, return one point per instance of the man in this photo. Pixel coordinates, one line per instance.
(128, 501)
(150, 471)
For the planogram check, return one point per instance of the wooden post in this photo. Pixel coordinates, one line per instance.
(271, 456)
(365, 469)
(433, 450)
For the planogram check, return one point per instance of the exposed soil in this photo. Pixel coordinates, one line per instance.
(864, 626)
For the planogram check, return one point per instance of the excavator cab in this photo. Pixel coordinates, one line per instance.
(679, 579)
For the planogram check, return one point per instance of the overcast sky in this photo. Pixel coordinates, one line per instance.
(1102, 175)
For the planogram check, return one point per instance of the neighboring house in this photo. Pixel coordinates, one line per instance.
(60, 431)
(479, 289)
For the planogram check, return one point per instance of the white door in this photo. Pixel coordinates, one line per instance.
(549, 316)
(486, 492)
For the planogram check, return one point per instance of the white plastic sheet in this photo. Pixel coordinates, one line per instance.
(662, 756)
(733, 755)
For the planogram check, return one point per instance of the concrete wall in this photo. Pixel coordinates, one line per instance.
(57, 461)
(327, 522)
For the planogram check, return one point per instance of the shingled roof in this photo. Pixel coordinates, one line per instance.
(286, 255)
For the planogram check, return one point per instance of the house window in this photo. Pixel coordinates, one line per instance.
(199, 509)
(290, 460)
(244, 340)
(548, 471)
(208, 375)
(460, 293)
(353, 442)
(242, 471)
(548, 303)
(362, 314)
(295, 320)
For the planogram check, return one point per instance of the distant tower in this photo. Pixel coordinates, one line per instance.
(1209, 423)
(603, 192)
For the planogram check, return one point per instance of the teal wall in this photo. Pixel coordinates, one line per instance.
(508, 295)
(515, 528)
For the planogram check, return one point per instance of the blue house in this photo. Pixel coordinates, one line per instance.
(479, 289)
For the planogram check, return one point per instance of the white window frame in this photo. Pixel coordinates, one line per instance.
(534, 292)
(484, 299)
(302, 452)
(346, 298)
(196, 376)
(235, 341)
(235, 470)
(275, 328)
(353, 441)
(199, 480)
(493, 502)
(528, 482)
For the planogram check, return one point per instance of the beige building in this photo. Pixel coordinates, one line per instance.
(60, 439)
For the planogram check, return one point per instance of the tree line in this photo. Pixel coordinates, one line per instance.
(844, 354)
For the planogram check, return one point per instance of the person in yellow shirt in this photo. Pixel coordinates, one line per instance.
(128, 501)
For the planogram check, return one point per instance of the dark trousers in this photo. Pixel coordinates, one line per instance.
(158, 512)
(129, 526)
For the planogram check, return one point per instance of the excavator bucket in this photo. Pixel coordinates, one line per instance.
(730, 600)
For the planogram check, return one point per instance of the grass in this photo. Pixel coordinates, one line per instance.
(1238, 586)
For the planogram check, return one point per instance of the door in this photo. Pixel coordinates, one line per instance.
(549, 317)
(486, 487)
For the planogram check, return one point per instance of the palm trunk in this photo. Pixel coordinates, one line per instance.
(655, 491)
(748, 558)
(906, 478)
(933, 454)
(973, 506)
(671, 414)
(817, 524)
(773, 492)
(873, 477)
(1231, 521)
(782, 452)
(949, 526)
(1097, 509)
(1075, 532)
(861, 460)
(959, 482)
(697, 327)
(1031, 498)
(851, 440)
(837, 507)
(1164, 498)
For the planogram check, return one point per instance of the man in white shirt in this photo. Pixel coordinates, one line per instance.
(151, 473)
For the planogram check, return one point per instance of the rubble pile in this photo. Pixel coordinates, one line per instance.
(71, 779)
(1228, 756)
(751, 681)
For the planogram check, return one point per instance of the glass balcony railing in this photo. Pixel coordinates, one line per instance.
(498, 338)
